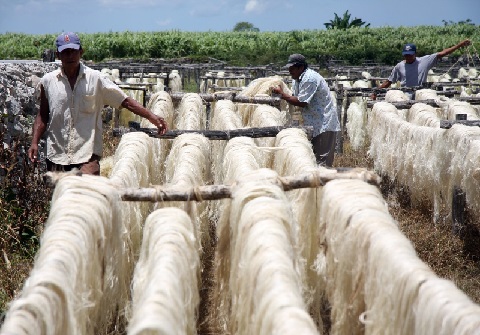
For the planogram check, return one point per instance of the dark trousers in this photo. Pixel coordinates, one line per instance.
(90, 167)
(324, 148)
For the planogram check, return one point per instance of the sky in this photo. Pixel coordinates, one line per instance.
(89, 16)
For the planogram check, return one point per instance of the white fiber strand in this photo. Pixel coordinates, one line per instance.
(165, 283)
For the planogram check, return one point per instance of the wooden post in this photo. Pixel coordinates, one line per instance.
(208, 113)
(344, 123)
(197, 78)
(459, 204)
(339, 91)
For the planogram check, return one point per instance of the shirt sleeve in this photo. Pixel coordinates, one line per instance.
(113, 95)
(395, 75)
(431, 60)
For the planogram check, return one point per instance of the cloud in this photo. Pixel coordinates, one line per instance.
(255, 6)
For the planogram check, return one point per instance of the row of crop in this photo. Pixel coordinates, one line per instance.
(353, 45)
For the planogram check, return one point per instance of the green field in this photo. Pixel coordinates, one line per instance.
(355, 45)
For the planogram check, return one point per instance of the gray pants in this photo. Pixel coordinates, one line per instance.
(324, 148)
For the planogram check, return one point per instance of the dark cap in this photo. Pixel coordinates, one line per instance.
(67, 41)
(409, 49)
(296, 59)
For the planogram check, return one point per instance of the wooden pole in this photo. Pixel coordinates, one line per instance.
(215, 134)
(207, 97)
(215, 192)
(447, 124)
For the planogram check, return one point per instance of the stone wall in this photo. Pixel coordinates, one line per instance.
(19, 104)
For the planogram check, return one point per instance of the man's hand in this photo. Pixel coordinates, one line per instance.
(33, 153)
(465, 43)
(160, 123)
(277, 90)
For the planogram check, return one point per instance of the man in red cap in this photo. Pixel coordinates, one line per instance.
(71, 101)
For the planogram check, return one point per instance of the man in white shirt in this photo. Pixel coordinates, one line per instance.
(311, 92)
(71, 100)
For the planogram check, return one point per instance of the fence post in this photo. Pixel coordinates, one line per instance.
(339, 92)
(459, 202)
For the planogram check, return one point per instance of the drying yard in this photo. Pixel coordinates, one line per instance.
(225, 225)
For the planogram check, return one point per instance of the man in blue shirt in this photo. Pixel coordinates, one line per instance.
(413, 70)
(311, 92)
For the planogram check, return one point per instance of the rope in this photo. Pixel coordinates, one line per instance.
(467, 54)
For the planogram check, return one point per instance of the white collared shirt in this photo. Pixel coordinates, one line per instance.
(74, 130)
(321, 111)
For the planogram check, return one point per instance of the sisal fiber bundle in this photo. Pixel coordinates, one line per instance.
(125, 115)
(396, 96)
(132, 161)
(472, 73)
(377, 284)
(266, 116)
(362, 84)
(174, 81)
(401, 294)
(407, 153)
(190, 114)
(462, 73)
(343, 80)
(431, 162)
(366, 75)
(116, 76)
(264, 281)
(188, 165)
(426, 94)
(422, 114)
(161, 105)
(106, 165)
(107, 73)
(79, 281)
(356, 124)
(205, 83)
(453, 107)
(260, 86)
(296, 157)
(461, 165)
(165, 293)
(347, 251)
(241, 158)
(224, 117)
